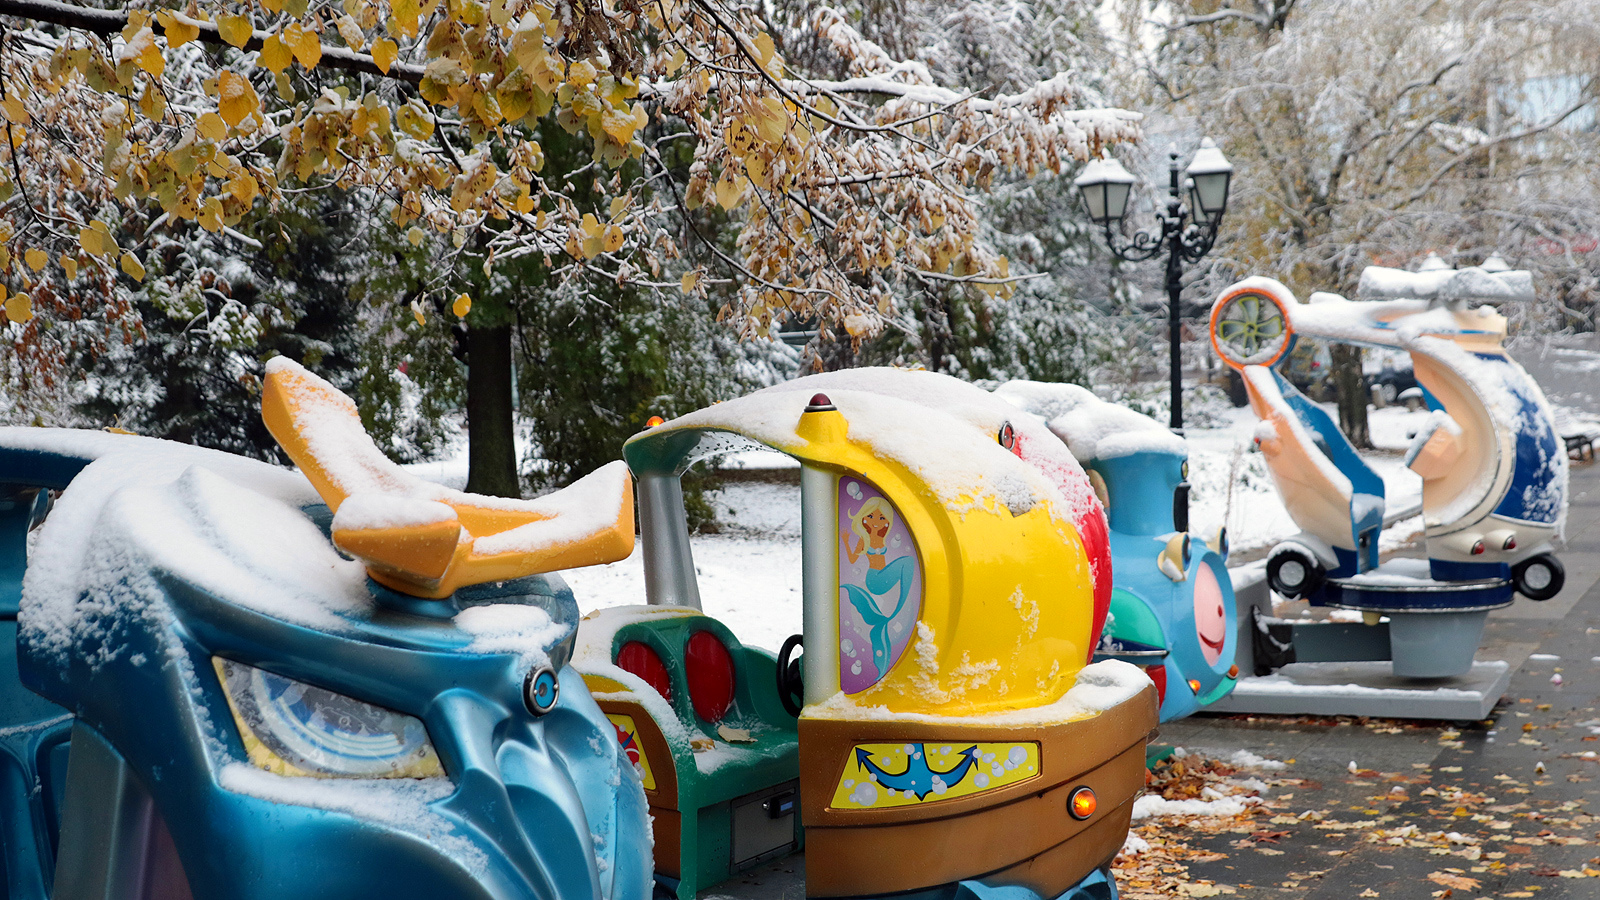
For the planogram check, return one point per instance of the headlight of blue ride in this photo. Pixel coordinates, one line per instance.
(292, 728)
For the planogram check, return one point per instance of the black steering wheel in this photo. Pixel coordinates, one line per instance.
(791, 689)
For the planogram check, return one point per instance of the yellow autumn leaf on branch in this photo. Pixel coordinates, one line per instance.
(132, 266)
(306, 44)
(210, 217)
(405, 13)
(415, 120)
(235, 97)
(384, 53)
(178, 30)
(235, 30)
(93, 241)
(688, 281)
(729, 190)
(275, 54)
(772, 120)
(69, 265)
(15, 110)
(462, 306)
(764, 48)
(19, 308)
(244, 188)
(36, 259)
(351, 33)
(142, 49)
(211, 127)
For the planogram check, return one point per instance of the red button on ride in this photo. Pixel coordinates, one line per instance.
(709, 667)
(639, 659)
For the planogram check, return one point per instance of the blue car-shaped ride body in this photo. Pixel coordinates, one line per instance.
(1172, 602)
(250, 717)
(1188, 619)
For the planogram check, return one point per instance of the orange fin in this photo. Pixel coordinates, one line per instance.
(424, 539)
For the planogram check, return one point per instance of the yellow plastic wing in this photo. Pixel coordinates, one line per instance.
(424, 539)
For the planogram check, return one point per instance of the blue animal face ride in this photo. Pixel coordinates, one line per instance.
(1172, 602)
(1494, 473)
(248, 714)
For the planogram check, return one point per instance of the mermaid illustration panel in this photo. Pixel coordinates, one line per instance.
(880, 585)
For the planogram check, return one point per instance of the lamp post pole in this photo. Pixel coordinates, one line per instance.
(1186, 233)
(1171, 233)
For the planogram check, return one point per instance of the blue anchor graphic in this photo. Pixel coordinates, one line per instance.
(918, 777)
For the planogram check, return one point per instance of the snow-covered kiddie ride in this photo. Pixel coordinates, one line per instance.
(1172, 605)
(1494, 473)
(952, 740)
(238, 711)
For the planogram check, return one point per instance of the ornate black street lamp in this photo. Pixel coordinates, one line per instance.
(1187, 231)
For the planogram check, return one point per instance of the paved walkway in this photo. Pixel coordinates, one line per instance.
(1480, 780)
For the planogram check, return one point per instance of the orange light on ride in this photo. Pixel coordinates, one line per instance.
(1081, 804)
(653, 421)
(1194, 685)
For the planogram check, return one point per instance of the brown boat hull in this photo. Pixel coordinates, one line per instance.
(1017, 834)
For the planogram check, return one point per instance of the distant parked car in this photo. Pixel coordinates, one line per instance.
(1310, 369)
(1389, 382)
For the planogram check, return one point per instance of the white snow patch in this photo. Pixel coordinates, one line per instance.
(1099, 687)
(1153, 806)
(1244, 759)
(1091, 427)
(509, 628)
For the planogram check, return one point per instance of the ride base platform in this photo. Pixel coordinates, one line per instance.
(1363, 688)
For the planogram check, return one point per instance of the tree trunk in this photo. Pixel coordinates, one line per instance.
(1351, 394)
(491, 444)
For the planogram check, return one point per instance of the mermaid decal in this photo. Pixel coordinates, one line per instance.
(884, 594)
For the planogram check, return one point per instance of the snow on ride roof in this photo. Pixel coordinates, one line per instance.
(1091, 427)
(1389, 323)
(1472, 283)
(145, 502)
(327, 421)
(1385, 323)
(1099, 687)
(945, 431)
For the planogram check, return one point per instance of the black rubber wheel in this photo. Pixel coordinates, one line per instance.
(1539, 577)
(791, 688)
(1294, 573)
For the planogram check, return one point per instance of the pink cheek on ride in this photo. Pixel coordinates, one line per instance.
(1209, 616)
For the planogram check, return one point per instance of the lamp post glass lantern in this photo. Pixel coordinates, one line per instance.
(1187, 232)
